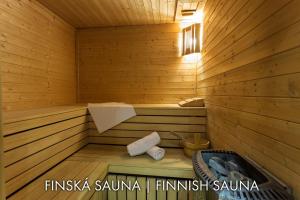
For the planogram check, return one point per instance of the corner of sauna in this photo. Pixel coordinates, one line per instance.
(149, 92)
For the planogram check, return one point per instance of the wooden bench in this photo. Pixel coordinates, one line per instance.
(175, 164)
(66, 170)
(98, 161)
(171, 121)
(38, 145)
(37, 140)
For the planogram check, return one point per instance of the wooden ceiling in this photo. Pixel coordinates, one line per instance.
(95, 13)
(98, 13)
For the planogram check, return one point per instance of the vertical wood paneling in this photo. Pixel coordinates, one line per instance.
(131, 194)
(149, 189)
(112, 194)
(182, 194)
(249, 77)
(136, 64)
(160, 193)
(151, 193)
(122, 193)
(37, 57)
(172, 194)
(2, 182)
(141, 194)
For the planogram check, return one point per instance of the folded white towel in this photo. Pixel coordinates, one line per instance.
(142, 145)
(108, 115)
(156, 153)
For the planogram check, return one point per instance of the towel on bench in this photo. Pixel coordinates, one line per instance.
(142, 145)
(156, 153)
(108, 115)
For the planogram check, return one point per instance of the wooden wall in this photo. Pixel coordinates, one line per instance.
(2, 194)
(134, 64)
(37, 56)
(250, 77)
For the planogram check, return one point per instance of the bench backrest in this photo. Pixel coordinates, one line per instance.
(170, 121)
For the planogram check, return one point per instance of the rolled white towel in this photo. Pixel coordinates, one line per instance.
(156, 153)
(142, 145)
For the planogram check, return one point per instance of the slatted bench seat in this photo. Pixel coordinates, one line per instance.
(98, 161)
(38, 145)
(175, 164)
(66, 170)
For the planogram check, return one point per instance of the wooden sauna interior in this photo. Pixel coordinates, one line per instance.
(57, 56)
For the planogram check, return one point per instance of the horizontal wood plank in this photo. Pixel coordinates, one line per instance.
(175, 164)
(157, 127)
(37, 43)
(14, 184)
(140, 134)
(26, 137)
(141, 73)
(172, 112)
(248, 76)
(165, 120)
(84, 169)
(126, 141)
(22, 120)
(22, 166)
(26, 150)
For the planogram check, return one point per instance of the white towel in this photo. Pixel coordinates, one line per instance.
(143, 145)
(156, 153)
(108, 115)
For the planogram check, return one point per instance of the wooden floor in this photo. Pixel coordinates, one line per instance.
(96, 161)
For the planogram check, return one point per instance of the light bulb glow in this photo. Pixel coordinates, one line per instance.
(192, 39)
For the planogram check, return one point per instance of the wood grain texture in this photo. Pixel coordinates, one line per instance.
(34, 172)
(162, 194)
(2, 182)
(249, 77)
(122, 192)
(112, 194)
(175, 164)
(81, 13)
(51, 137)
(165, 120)
(134, 64)
(37, 57)
(173, 123)
(131, 194)
(151, 190)
(16, 169)
(142, 194)
(96, 162)
(67, 170)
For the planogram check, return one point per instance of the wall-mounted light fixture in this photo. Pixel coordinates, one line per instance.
(191, 39)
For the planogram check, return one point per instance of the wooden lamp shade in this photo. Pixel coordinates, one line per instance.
(191, 39)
